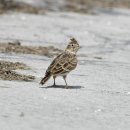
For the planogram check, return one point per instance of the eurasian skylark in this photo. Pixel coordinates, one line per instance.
(63, 63)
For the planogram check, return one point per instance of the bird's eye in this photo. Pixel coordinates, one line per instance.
(72, 45)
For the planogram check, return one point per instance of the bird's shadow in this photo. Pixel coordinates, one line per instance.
(63, 87)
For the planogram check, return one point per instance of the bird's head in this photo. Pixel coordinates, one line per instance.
(73, 46)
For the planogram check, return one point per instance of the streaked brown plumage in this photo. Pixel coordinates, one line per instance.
(63, 63)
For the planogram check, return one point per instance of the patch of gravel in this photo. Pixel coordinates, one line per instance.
(7, 73)
(16, 47)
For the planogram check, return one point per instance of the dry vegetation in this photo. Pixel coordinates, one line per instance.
(88, 5)
(10, 5)
(7, 71)
(16, 47)
(84, 6)
(5, 65)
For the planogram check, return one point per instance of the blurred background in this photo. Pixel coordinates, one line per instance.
(40, 6)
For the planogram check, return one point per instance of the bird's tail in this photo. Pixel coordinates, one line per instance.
(44, 80)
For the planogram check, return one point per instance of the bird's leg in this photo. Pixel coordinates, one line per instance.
(54, 77)
(64, 77)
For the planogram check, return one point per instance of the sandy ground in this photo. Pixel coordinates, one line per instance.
(99, 94)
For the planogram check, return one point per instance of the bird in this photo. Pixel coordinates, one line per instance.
(63, 64)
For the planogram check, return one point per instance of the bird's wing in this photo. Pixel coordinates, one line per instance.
(63, 63)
